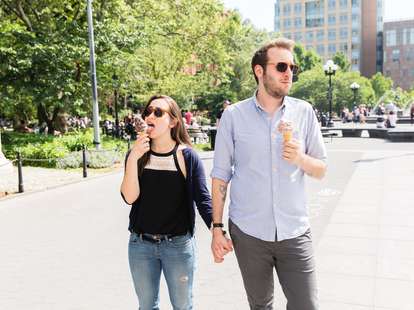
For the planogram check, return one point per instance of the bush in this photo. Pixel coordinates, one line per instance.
(102, 159)
(61, 152)
(72, 160)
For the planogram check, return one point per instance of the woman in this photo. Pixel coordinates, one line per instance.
(164, 179)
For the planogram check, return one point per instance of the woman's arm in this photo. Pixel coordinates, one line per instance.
(130, 183)
(201, 195)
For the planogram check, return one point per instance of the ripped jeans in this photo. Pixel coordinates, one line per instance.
(175, 257)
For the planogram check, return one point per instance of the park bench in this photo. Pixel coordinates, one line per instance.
(197, 135)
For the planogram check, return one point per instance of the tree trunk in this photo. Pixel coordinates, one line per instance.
(44, 117)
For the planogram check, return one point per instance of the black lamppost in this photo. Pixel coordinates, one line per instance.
(330, 69)
(355, 86)
(115, 85)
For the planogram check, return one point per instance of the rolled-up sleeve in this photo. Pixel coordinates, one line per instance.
(315, 147)
(224, 148)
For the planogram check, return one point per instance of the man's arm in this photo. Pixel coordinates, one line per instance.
(220, 245)
(313, 167)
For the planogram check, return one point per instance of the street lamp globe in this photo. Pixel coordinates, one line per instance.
(355, 86)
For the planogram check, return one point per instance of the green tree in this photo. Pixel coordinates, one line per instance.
(380, 84)
(342, 61)
(312, 86)
(306, 59)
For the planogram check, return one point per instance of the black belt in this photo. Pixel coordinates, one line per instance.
(156, 238)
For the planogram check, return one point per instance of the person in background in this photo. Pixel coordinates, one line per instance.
(188, 117)
(226, 103)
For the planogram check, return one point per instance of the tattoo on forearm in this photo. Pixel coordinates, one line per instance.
(223, 191)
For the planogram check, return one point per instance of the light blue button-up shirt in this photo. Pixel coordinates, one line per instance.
(267, 195)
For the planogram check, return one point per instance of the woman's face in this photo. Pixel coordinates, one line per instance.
(158, 119)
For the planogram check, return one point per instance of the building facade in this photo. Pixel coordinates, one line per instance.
(399, 52)
(353, 27)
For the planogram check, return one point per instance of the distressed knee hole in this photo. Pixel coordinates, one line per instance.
(184, 279)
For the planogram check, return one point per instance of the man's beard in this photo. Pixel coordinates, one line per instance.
(272, 90)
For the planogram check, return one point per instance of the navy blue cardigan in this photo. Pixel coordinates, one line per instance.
(197, 192)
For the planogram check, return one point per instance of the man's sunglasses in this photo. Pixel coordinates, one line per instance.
(283, 66)
(158, 112)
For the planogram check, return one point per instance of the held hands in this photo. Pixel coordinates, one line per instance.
(220, 245)
(141, 146)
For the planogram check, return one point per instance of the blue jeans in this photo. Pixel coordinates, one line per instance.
(175, 258)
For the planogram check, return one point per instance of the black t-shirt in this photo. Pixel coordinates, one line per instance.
(162, 200)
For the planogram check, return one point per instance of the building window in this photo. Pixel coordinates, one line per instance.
(395, 55)
(320, 35)
(298, 36)
(355, 54)
(320, 49)
(355, 18)
(343, 33)
(298, 8)
(331, 4)
(332, 48)
(355, 3)
(309, 36)
(391, 38)
(343, 3)
(355, 36)
(343, 19)
(409, 54)
(286, 8)
(343, 47)
(287, 35)
(298, 22)
(411, 40)
(331, 19)
(406, 39)
(314, 12)
(286, 23)
(332, 35)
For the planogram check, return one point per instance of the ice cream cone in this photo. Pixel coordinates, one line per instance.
(287, 135)
(140, 126)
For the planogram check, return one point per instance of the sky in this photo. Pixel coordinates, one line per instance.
(260, 12)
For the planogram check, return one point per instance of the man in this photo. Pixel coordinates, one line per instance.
(269, 223)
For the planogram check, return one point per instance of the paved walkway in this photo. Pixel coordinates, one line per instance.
(65, 248)
(366, 255)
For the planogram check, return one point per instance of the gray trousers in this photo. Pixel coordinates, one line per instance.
(294, 263)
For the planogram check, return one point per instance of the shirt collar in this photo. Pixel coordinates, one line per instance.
(285, 103)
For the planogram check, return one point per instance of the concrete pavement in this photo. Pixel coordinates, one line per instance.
(66, 248)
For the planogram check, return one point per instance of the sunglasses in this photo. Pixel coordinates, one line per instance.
(158, 112)
(283, 66)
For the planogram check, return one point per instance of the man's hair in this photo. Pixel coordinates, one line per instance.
(260, 56)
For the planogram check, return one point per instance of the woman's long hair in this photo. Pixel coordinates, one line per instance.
(178, 133)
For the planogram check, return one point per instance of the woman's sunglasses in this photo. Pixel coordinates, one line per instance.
(158, 112)
(283, 66)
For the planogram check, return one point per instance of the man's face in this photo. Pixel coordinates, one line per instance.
(277, 84)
